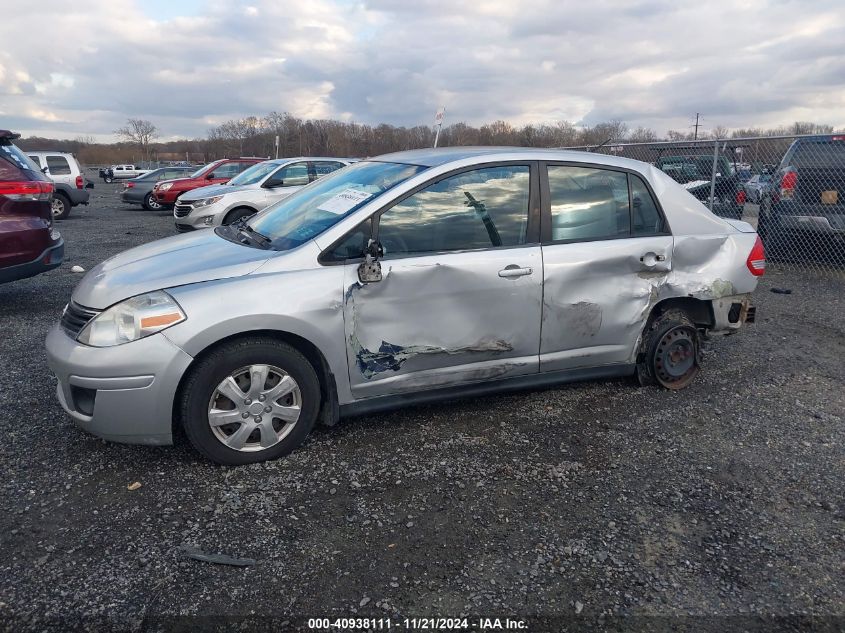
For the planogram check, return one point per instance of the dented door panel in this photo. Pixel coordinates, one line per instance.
(443, 319)
(596, 298)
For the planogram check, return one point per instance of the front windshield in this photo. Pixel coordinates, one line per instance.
(322, 204)
(253, 174)
(199, 171)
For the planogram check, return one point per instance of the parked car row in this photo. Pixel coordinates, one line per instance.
(694, 170)
(226, 190)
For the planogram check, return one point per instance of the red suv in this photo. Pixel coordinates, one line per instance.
(28, 242)
(223, 170)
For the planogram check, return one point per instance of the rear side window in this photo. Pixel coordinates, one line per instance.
(588, 203)
(229, 170)
(819, 154)
(647, 219)
(58, 165)
(321, 168)
(13, 160)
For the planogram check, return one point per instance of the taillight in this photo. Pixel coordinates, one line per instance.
(129, 185)
(79, 182)
(740, 196)
(756, 261)
(787, 184)
(27, 190)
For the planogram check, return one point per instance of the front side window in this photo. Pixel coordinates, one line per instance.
(254, 174)
(482, 208)
(323, 167)
(588, 203)
(310, 211)
(293, 175)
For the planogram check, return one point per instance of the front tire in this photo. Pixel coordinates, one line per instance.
(672, 351)
(108, 179)
(249, 400)
(60, 207)
(150, 203)
(238, 214)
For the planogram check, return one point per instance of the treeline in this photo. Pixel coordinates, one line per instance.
(256, 136)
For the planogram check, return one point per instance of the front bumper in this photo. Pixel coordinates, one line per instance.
(123, 393)
(52, 257)
(200, 218)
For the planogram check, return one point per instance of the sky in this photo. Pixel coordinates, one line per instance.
(81, 68)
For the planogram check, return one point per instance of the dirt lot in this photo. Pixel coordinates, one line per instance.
(721, 506)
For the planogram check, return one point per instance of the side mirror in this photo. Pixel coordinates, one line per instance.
(210, 176)
(369, 270)
(89, 185)
(45, 170)
(272, 183)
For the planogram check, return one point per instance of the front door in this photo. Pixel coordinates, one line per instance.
(460, 296)
(606, 252)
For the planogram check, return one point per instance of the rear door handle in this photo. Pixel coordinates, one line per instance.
(511, 271)
(650, 259)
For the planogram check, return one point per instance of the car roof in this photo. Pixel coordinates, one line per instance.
(282, 161)
(434, 157)
(49, 151)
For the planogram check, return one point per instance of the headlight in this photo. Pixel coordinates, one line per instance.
(204, 202)
(165, 186)
(132, 319)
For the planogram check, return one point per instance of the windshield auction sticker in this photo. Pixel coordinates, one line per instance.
(345, 200)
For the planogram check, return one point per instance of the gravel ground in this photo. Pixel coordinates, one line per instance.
(716, 508)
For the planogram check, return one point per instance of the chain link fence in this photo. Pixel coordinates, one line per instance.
(790, 188)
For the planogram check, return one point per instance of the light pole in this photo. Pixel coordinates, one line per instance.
(438, 123)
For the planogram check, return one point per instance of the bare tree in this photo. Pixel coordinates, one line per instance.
(140, 132)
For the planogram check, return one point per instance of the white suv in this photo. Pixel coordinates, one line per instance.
(71, 187)
(250, 191)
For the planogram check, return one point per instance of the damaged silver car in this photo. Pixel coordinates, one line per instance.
(410, 277)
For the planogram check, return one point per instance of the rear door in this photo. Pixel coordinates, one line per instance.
(461, 290)
(606, 250)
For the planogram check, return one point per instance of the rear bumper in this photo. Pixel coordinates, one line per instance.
(52, 257)
(131, 196)
(78, 196)
(809, 218)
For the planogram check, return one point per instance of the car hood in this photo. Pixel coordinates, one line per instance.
(213, 190)
(173, 261)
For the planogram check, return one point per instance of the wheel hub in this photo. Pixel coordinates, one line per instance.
(676, 361)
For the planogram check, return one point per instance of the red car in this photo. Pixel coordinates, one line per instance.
(29, 244)
(223, 170)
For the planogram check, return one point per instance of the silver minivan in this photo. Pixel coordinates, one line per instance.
(409, 277)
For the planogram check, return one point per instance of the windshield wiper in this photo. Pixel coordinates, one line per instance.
(245, 229)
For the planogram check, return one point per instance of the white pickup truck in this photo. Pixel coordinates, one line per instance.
(121, 172)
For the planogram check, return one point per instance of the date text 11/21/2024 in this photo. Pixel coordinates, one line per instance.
(419, 624)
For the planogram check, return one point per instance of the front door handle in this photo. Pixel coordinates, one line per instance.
(511, 271)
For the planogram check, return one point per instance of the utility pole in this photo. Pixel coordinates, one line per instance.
(695, 135)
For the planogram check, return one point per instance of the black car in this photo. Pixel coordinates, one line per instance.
(139, 190)
(804, 209)
(693, 171)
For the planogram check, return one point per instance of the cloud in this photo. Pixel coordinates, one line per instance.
(652, 62)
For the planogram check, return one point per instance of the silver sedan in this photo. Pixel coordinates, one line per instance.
(410, 277)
